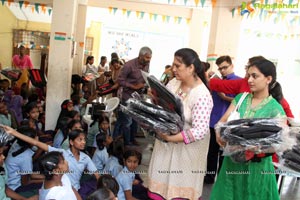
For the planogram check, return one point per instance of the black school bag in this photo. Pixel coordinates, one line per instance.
(37, 78)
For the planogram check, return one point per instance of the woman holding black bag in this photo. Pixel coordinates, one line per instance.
(249, 180)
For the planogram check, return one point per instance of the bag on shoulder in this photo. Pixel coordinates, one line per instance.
(235, 114)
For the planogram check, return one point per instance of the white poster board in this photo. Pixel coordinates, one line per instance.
(127, 44)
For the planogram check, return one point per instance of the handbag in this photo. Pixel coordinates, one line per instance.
(235, 114)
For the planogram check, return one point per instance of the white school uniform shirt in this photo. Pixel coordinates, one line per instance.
(76, 168)
(125, 180)
(64, 192)
(100, 158)
(112, 166)
(16, 166)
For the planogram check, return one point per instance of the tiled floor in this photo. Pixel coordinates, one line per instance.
(290, 188)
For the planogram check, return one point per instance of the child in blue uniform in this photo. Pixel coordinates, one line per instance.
(56, 185)
(126, 178)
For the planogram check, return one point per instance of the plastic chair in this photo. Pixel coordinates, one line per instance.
(111, 105)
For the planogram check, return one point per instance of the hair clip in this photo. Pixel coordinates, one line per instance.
(51, 163)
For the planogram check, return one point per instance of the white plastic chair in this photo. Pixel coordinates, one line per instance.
(111, 105)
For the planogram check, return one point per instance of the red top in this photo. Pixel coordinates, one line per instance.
(241, 85)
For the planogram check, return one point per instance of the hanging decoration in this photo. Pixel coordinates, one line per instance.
(26, 3)
(137, 13)
(128, 13)
(110, 9)
(9, 2)
(123, 11)
(21, 4)
(115, 10)
(213, 3)
(35, 7)
(49, 11)
(202, 3)
(152, 16)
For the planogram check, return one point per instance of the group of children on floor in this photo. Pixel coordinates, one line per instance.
(71, 169)
(62, 170)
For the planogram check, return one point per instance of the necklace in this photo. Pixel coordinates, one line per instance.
(182, 94)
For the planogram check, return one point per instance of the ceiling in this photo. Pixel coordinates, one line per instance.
(29, 12)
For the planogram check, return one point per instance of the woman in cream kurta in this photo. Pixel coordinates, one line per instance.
(177, 168)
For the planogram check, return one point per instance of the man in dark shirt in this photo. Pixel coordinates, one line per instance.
(221, 103)
(131, 80)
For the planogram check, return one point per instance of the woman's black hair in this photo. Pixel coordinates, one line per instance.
(133, 152)
(100, 140)
(206, 66)
(116, 149)
(33, 98)
(75, 133)
(109, 182)
(31, 106)
(189, 56)
(63, 113)
(103, 118)
(100, 119)
(267, 68)
(100, 194)
(73, 113)
(67, 127)
(88, 59)
(49, 162)
(25, 130)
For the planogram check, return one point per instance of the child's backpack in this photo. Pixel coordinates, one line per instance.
(12, 74)
(37, 78)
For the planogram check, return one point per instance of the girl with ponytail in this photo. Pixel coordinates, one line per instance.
(56, 185)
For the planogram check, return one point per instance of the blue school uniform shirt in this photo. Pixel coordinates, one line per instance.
(100, 131)
(17, 166)
(76, 168)
(125, 179)
(5, 119)
(112, 166)
(100, 158)
(58, 139)
(3, 179)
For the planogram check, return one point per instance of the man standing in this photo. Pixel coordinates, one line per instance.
(131, 80)
(221, 103)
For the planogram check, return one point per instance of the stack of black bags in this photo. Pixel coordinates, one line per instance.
(153, 117)
(251, 139)
(291, 157)
(164, 116)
